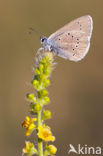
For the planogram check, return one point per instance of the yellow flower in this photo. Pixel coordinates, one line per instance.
(26, 149)
(29, 148)
(28, 124)
(52, 149)
(45, 133)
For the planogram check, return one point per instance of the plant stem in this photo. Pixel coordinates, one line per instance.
(40, 143)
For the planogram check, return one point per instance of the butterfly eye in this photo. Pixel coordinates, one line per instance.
(42, 40)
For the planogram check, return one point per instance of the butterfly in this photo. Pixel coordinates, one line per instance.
(71, 41)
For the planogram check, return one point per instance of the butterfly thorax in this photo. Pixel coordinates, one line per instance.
(45, 44)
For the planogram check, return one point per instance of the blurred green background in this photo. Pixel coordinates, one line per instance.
(77, 88)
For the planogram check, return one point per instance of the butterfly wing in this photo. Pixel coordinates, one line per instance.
(73, 40)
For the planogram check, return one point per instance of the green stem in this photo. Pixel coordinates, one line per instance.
(40, 142)
(46, 153)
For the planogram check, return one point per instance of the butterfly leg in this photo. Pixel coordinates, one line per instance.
(54, 50)
(39, 50)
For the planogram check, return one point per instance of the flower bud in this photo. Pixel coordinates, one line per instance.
(29, 149)
(46, 83)
(41, 67)
(47, 100)
(43, 93)
(31, 97)
(35, 84)
(37, 107)
(51, 149)
(46, 115)
(37, 71)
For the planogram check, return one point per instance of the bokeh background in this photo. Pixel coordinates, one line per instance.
(76, 89)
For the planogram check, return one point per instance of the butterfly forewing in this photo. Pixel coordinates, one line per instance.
(73, 40)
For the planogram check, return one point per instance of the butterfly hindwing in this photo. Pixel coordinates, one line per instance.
(73, 40)
(72, 45)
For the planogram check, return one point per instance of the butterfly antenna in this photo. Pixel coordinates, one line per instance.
(31, 30)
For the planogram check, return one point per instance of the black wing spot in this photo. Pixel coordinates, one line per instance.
(80, 27)
(77, 42)
(59, 38)
(68, 33)
(76, 46)
(77, 39)
(73, 49)
(72, 36)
